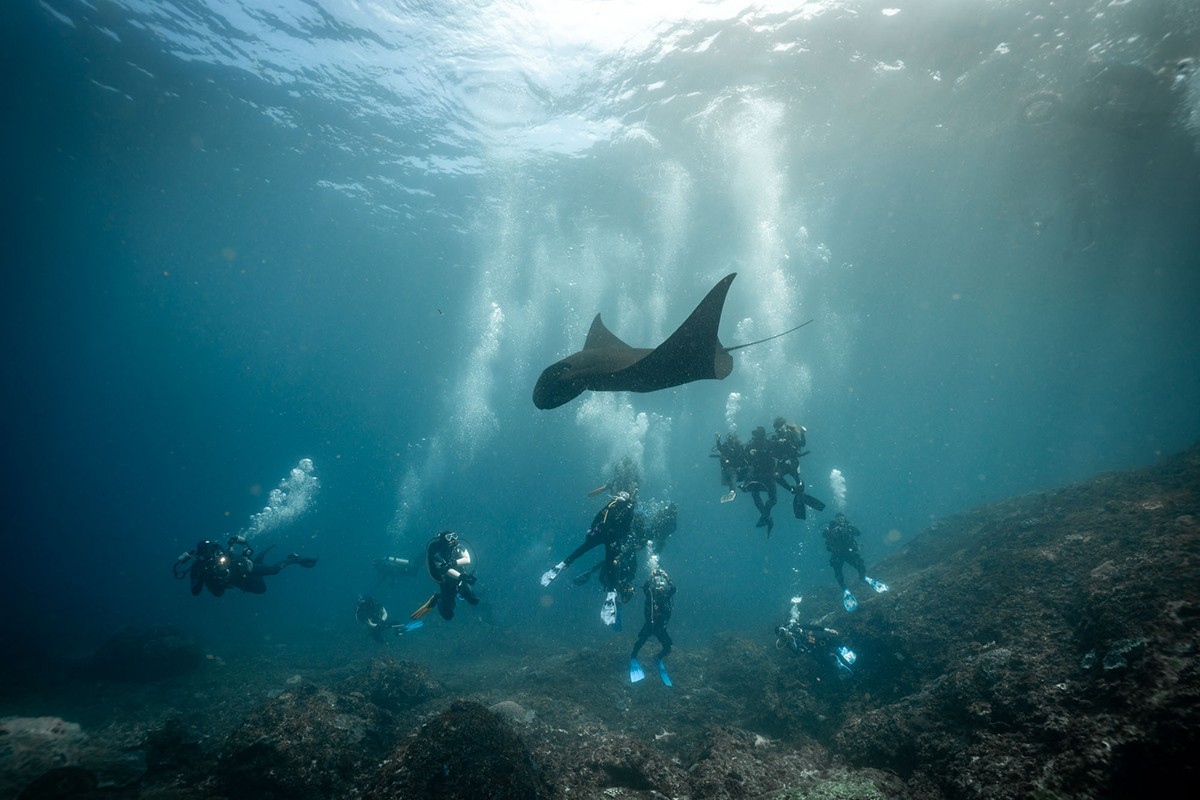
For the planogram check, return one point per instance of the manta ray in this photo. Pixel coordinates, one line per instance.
(606, 364)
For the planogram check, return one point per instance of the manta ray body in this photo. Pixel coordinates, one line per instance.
(606, 364)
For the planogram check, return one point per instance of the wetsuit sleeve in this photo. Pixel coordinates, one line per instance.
(440, 565)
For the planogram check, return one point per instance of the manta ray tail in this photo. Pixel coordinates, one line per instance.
(769, 338)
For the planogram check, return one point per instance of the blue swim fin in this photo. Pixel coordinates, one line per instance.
(844, 658)
(848, 601)
(635, 671)
(662, 673)
(412, 626)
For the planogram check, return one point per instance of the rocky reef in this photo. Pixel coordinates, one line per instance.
(1044, 646)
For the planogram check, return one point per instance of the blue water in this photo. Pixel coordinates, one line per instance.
(242, 234)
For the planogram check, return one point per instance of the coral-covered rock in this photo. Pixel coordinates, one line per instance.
(393, 685)
(307, 743)
(1046, 643)
(731, 764)
(31, 747)
(464, 753)
(625, 763)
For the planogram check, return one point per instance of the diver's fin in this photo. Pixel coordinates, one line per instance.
(598, 490)
(726, 498)
(425, 609)
(878, 586)
(258, 559)
(307, 563)
(798, 508)
(662, 673)
(813, 503)
(608, 612)
(616, 626)
(412, 626)
(848, 601)
(580, 580)
(635, 671)
(549, 575)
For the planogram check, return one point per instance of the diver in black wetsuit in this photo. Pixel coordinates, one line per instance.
(219, 568)
(612, 527)
(761, 459)
(660, 593)
(840, 541)
(656, 527)
(447, 561)
(823, 644)
(788, 441)
(371, 613)
(734, 469)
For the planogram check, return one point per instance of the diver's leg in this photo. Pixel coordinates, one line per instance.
(468, 593)
(665, 638)
(643, 637)
(763, 511)
(836, 562)
(254, 584)
(446, 600)
(858, 564)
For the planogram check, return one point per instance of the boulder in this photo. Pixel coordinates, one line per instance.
(307, 743)
(393, 685)
(464, 753)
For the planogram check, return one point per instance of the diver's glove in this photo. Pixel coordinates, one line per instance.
(552, 573)
(179, 562)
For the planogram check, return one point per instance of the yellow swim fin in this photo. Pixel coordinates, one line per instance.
(425, 609)
(595, 492)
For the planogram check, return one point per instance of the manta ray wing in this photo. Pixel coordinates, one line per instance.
(691, 353)
(601, 338)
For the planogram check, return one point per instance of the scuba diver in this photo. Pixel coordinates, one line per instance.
(218, 568)
(660, 592)
(788, 442)
(446, 559)
(655, 527)
(822, 644)
(734, 469)
(840, 541)
(612, 527)
(761, 460)
(371, 613)
(392, 568)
